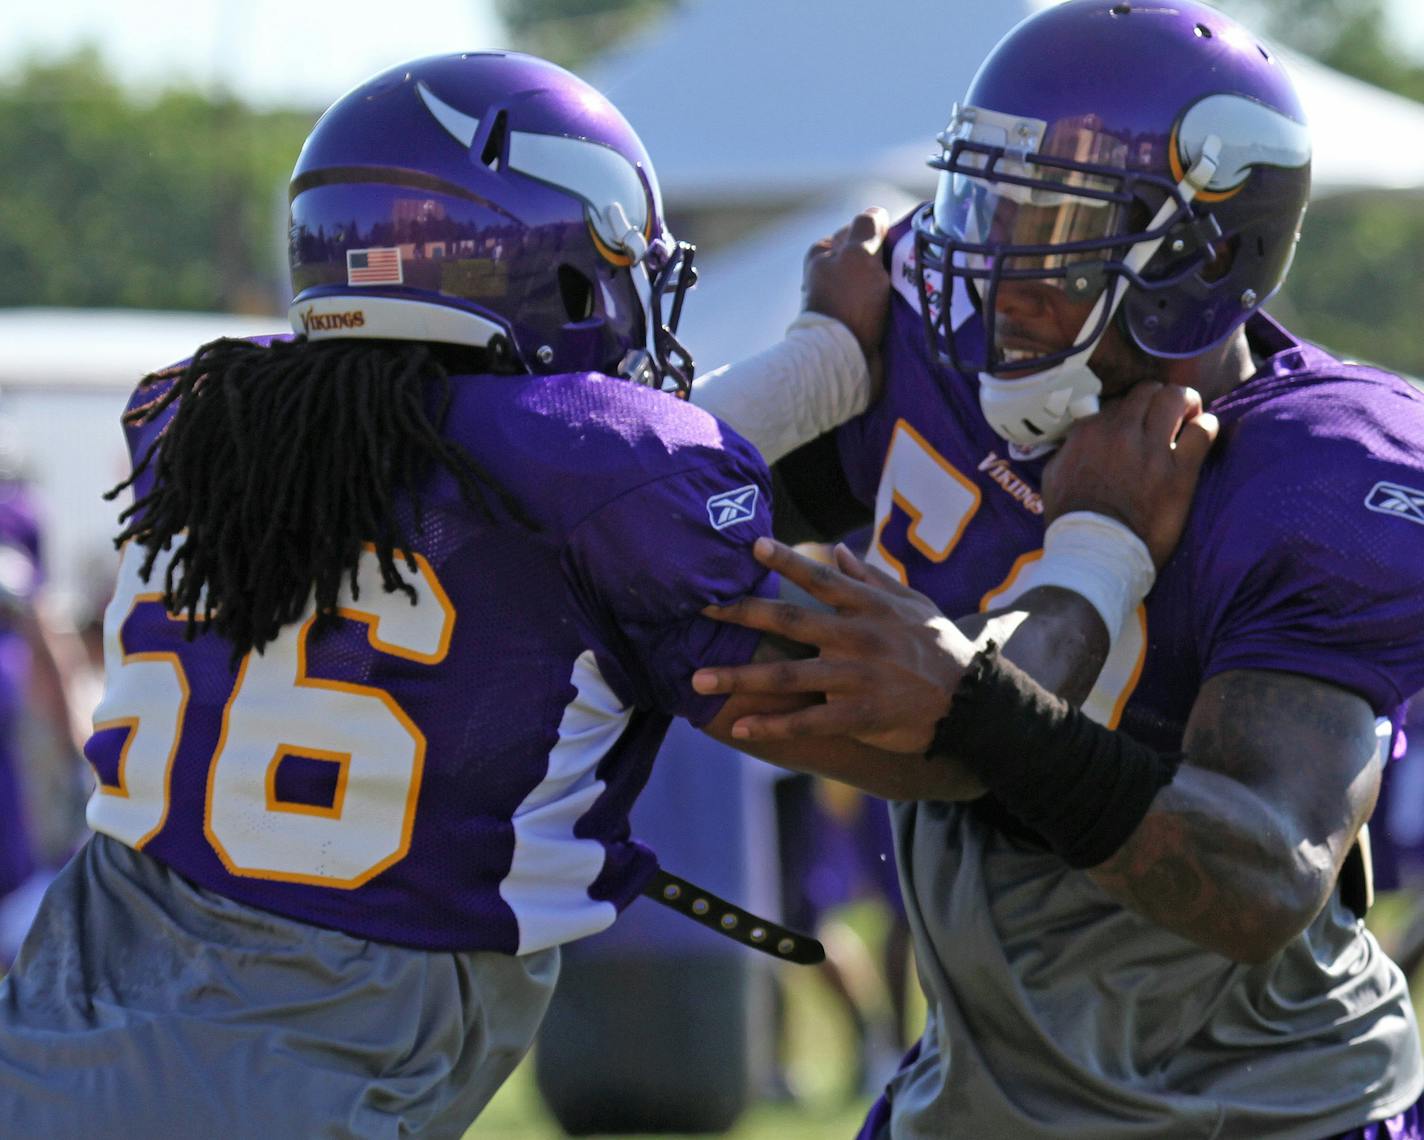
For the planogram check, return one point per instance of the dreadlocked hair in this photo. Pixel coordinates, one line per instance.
(280, 463)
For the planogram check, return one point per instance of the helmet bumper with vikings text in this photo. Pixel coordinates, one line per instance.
(491, 200)
(1145, 149)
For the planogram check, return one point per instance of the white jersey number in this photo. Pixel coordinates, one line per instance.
(277, 711)
(940, 501)
(938, 498)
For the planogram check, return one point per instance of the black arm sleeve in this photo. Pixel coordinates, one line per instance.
(812, 499)
(1083, 788)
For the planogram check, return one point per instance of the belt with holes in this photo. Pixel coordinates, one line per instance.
(734, 922)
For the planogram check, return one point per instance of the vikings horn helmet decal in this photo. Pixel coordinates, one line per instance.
(495, 200)
(1151, 160)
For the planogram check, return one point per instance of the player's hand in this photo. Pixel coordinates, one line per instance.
(844, 277)
(1137, 461)
(889, 661)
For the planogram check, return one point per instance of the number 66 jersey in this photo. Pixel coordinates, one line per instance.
(455, 773)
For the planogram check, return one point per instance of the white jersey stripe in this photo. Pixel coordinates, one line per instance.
(549, 876)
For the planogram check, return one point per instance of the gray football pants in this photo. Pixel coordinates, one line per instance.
(142, 1007)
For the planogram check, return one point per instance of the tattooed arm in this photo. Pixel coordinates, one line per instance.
(1241, 851)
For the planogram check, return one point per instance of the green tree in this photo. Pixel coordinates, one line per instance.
(1356, 285)
(1349, 35)
(570, 32)
(169, 202)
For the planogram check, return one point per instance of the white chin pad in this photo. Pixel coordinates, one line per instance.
(1040, 408)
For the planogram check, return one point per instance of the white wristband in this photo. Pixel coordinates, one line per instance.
(1099, 559)
(810, 382)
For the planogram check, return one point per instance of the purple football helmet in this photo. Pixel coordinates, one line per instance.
(1151, 159)
(495, 200)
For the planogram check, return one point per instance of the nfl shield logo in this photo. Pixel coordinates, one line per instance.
(732, 507)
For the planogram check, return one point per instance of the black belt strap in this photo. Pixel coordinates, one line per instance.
(732, 921)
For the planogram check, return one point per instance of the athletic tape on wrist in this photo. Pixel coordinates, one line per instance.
(1099, 559)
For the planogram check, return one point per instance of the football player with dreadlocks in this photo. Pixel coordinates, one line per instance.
(1141, 917)
(404, 608)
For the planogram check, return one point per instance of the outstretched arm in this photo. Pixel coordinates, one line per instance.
(1238, 851)
(827, 369)
(890, 661)
(837, 755)
(888, 666)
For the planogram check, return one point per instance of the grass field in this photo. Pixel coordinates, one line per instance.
(516, 1114)
(821, 1065)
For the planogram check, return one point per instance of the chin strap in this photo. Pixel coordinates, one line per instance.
(732, 921)
(640, 364)
(662, 356)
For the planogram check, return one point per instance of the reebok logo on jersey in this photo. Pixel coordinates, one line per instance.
(732, 507)
(1392, 499)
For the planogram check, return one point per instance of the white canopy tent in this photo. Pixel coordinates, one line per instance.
(751, 291)
(65, 375)
(751, 100)
(772, 121)
(806, 113)
(105, 350)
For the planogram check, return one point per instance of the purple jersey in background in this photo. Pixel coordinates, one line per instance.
(20, 574)
(455, 774)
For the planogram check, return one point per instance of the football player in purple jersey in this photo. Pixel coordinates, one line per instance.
(1141, 916)
(405, 605)
(38, 760)
(19, 575)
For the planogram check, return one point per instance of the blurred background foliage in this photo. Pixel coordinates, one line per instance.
(112, 198)
(571, 32)
(1349, 35)
(174, 201)
(1358, 280)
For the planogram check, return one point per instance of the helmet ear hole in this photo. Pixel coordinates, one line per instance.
(1221, 256)
(493, 153)
(576, 291)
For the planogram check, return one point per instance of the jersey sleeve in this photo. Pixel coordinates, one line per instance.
(1311, 572)
(647, 563)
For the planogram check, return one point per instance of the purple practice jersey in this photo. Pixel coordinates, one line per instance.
(19, 576)
(1053, 1011)
(455, 774)
(1303, 553)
